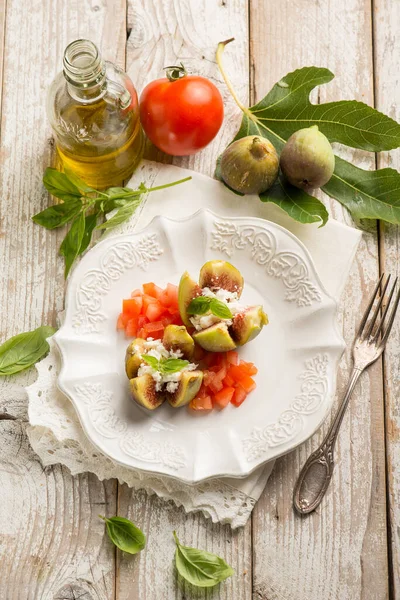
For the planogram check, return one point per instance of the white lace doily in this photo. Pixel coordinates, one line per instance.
(55, 432)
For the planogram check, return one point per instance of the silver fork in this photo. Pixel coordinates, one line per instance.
(369, 344)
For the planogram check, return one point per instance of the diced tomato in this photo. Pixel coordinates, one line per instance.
(239, 396)
(154, 311)
(136, 293)
(172, 292)
(176, 318)
(131, 327)
(167, 320)
(201, 403)
(147, 300)
(164, 299)
(248, 367)
(154, 330)
(142, 334)
(151, 289)
(142, 321)
(228, 381)
(215, 385)
(237, 372)
(248, 384)
(199, 353)
(202, 393)
(232, 357)
(223, 397)
(121, 323)
(132, 306)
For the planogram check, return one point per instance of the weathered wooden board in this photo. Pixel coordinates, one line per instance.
(2, 34)
(339, 552)
(386, 21)
(162, 33)
(52, 544)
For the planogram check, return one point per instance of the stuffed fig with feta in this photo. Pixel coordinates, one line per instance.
(211, 307)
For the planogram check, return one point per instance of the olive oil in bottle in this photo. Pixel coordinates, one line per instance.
(93, 110)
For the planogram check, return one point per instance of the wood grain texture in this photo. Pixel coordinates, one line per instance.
(339, 552)
(52, 542)
(386, 20)
(2, 40)
(162, 33)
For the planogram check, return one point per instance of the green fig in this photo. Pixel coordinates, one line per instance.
(188, 289)
(215, 338)
(189, 385)
(250, 165)
(176, 337)
(133, 358)
(307, 160)
(143, 390)
(216, 274)
(248, 324)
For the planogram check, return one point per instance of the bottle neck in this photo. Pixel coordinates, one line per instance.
(84, 71)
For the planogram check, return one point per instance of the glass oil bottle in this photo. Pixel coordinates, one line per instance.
(93, 110)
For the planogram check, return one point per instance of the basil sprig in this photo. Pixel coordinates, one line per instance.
(200, 568)
(166, 366)
(124, 534)
(83, 206)
(24, 350)
(204, 304)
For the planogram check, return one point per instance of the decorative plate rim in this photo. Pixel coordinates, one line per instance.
(337, 349)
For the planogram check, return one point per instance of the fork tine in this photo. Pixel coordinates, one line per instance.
(377, 309)
(391, 319)
(367, 310)
(382, 321)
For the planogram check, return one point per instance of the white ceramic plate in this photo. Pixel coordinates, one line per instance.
(297, 353)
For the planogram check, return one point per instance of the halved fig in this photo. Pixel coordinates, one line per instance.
(176, 337)
(133, 357)
(143, 390)
(215, 338)
(188, 289)
(248, 324)
(216, 274)
(188, 387)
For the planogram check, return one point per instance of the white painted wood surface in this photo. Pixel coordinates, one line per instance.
(52, 544)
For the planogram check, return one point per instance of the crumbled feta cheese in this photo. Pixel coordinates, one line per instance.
(171, 380)
(231, 299)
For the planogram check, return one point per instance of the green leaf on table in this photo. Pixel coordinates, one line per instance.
(122, 214)
(60, 186)
(71, 245)
(24, 350)
(366, 194)
(124, 534)
(287, 108)
(199, 567)
(90, 224)
(79, 183)
(58, 214)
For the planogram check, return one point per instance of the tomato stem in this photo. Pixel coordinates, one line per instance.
(175, 72)
(220, 50)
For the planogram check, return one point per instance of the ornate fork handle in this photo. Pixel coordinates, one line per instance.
(316, 474)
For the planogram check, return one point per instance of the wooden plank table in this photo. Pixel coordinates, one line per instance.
(52, 544)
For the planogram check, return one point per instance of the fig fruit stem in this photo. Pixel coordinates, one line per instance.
(258, 149)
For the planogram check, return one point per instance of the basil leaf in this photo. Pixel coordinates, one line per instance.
(121, 192)
(172, 365)
(124, 534)
(59, 185)
(24, 350)
(79, 183)
(199, 305)
(220, 309)
(58, 214)
(72, 242)
(152, 361)
(90, 224)
(123, 214)
(200, 568)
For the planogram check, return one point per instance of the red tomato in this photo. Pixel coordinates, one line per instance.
(181, 116)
